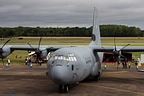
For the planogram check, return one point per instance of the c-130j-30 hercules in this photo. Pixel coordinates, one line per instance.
(69, 65)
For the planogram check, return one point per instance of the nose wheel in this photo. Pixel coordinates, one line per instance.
(63, 88)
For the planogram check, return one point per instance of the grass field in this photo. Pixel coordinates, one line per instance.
(75, 41)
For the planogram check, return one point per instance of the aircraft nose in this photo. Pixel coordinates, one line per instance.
(59, 74)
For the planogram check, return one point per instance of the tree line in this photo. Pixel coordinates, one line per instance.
(106, 31)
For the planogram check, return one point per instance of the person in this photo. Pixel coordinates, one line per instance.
(6, 65)
(8, 61)
(16, 56)
(105, 66)
(125, 63)
(139, 63)
(129, 65)
(118, 63)
(30, 63)
(39, 62)
(136, 64)
(26, 60)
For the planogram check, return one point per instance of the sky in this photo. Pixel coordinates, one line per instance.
(70, 13)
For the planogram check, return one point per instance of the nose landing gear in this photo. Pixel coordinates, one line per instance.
(63, 88)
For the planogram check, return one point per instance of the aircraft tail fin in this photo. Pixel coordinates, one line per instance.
(96, 40)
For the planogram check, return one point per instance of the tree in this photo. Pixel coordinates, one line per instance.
(106, 31)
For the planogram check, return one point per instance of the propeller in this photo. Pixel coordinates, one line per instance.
(38, 51)
(30, 45)
(2, 51)
(117, 53)
(39, 42)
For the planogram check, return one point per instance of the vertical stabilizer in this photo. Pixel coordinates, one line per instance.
(96, 40)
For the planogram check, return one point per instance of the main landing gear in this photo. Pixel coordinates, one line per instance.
(98, 76)
(63, 88)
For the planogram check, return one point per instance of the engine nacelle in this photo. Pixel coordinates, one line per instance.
(44, 54)
(5, 51)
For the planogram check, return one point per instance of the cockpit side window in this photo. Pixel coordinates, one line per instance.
(55, 57)
(72, 57)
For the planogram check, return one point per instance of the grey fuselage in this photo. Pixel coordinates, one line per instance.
(74, 64)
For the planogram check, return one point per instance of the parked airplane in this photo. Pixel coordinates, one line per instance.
(69, 65)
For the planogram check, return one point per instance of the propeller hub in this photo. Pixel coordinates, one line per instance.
(38, 51)
(116, 53)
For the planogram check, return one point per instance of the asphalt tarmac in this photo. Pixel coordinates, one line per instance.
(20, 80)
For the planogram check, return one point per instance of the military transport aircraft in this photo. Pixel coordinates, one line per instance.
(71, 64)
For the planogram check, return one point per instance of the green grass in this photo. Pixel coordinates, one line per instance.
(106, 41)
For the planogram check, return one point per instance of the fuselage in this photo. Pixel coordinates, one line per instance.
(74, 64)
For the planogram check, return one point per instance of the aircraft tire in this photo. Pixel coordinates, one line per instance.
(63, 88)
(98, 76)
(66, 88)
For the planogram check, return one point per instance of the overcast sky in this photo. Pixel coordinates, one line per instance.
(62, 13)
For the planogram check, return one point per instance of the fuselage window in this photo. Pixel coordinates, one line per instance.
(59, 58)
(74, 58)
(66, 58)
(56, 57)
(70, 57)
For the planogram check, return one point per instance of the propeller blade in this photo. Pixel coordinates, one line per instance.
(38, 51)
(103, 48)
(125, 46)
(114, 43)
(30, 45)
(39, 42)
(5, 43)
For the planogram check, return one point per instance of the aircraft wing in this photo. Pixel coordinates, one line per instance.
(121, 48)
(22, 47)
(133, 49)
(34, 47)
(95, 48)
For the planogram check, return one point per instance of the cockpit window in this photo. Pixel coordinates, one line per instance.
(69, 57)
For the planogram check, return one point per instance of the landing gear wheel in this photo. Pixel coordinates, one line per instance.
(63, 88)
(60, 88)
(66, 88)
(98, 77)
